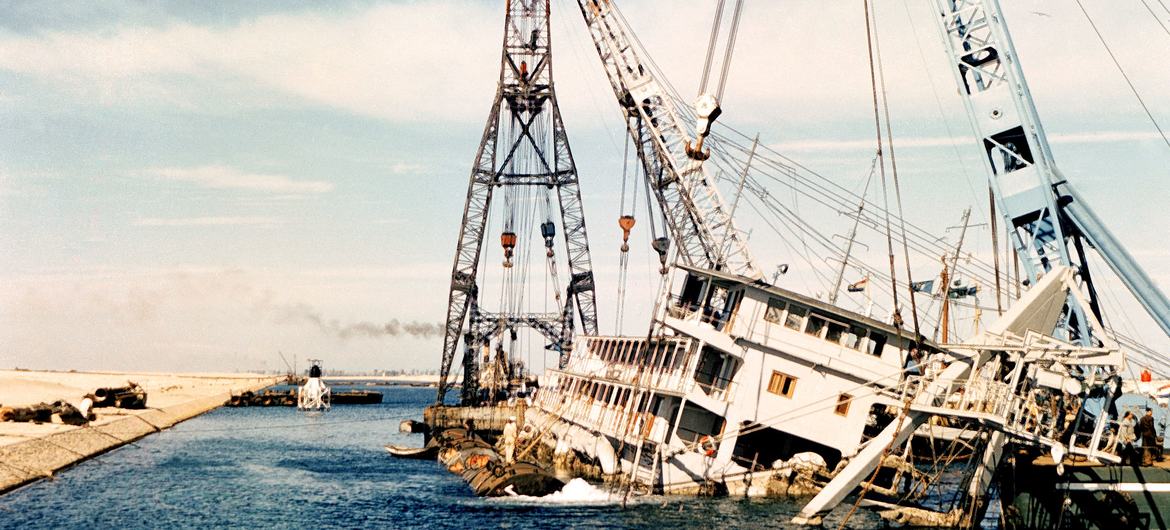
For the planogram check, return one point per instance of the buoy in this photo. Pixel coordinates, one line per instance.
(1146, 376)
(508, 241)
(627, 224)
(708, 445)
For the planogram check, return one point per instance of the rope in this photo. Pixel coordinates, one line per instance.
(881, 161)
(897, 187)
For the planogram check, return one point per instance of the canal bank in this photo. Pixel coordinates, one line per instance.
(32, 451)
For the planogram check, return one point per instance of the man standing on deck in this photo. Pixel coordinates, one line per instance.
(1149, 435)
(509, 440)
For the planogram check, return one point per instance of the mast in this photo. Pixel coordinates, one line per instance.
(849, 245)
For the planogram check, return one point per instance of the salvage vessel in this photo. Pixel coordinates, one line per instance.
(740, 385)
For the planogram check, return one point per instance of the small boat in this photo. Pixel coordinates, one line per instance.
(522, 478)
(425, 452)
(357, 397)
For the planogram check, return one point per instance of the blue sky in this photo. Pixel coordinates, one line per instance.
(193, 187)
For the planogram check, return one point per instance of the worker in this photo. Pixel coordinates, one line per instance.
(509, 440)
(1149, 435)
(1121, 440)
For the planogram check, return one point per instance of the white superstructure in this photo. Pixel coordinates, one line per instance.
(314, 394)
(742, 372)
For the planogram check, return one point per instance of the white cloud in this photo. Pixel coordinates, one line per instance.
(208, 221)
(223, 177)
(439, 60)
(405, 168)
(401, 61)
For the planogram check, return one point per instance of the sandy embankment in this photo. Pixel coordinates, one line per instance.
(30, 451)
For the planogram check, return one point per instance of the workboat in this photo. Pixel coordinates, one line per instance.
(314, 394)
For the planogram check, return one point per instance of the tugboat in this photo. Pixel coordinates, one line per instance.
(314, 395)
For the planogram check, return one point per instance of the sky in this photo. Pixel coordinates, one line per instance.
(193, 186)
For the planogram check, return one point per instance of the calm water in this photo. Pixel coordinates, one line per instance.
(276, 467)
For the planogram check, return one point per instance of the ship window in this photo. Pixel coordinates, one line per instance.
(843, 402)
(795, 319)
(876, 342)
(782, 384)
(775, 311)
(815, 324)
(836, 332)
(856, 337)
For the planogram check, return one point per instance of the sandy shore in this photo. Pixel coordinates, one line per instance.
(30, 451)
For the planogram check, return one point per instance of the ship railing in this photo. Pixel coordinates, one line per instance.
(664, 374)
(1026, 415)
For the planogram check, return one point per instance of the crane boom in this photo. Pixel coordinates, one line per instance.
(1050, 224)
(695, 210)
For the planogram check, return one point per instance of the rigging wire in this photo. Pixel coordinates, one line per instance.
(1129, 82)
(872, 14)
(1156, 17)
(881, 163)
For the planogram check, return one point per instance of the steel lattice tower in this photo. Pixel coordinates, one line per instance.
(524, 124)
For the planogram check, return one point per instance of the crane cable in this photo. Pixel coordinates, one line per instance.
(728, 51)
(624, 255)
(1155, 15)
(1124, 75)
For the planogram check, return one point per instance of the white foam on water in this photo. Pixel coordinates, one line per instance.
(576, 491)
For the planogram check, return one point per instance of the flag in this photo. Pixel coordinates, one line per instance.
(963, 292)
(923, 287)
(858, 286)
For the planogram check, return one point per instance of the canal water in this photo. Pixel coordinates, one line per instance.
(280, 468)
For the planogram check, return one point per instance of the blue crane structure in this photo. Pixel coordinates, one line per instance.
(1050, 223)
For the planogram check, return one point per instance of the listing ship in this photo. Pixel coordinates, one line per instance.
(735, 384)
(741, 386)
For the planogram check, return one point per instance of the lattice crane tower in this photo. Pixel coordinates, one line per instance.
(524, 145)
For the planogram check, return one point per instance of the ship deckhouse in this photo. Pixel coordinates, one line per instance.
(744, 372)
